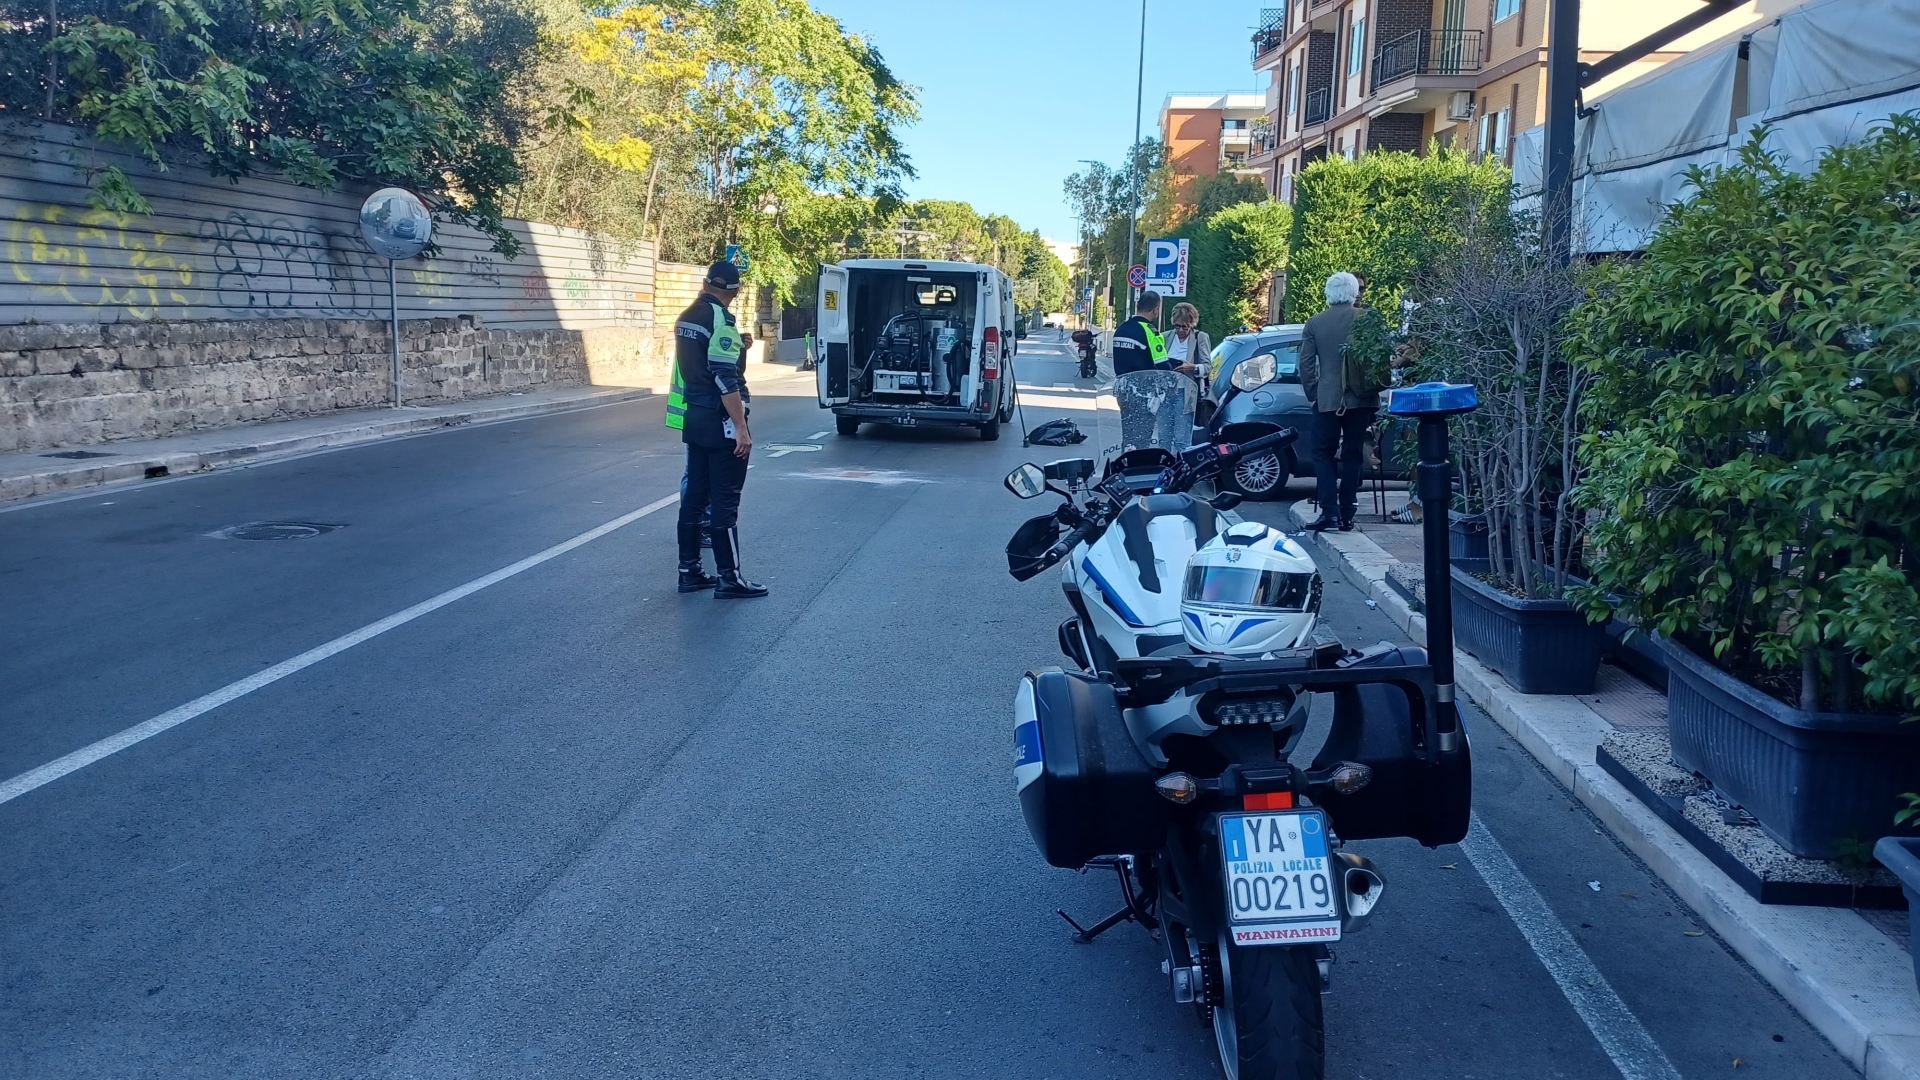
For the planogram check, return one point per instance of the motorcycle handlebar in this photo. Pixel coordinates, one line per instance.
(1283, 437)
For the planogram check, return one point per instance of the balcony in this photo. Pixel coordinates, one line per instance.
(1427, 52)
(1272, 32)
(1319, 105)
(1264, 137)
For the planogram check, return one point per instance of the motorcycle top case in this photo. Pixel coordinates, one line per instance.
(1084, 787)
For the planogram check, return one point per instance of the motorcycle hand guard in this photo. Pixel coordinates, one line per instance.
(1028, 552)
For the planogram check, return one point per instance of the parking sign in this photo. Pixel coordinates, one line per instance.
(1167, 267)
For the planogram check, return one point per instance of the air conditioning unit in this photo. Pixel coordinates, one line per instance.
(1460, 105)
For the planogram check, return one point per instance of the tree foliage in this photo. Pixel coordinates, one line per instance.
(1387, 215)
(1754, 463)
(1103, 198)
(325, 91)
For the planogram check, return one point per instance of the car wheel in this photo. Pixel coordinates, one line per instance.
(1261, 478)
(846, 425)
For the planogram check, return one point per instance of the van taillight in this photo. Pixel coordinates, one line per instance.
(990, 353)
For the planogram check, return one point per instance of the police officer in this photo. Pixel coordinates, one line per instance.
(710, 401)
(1137, 346)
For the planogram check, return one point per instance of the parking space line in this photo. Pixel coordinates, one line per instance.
(1619, 1032)
(79, 759)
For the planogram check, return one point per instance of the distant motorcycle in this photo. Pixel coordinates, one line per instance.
(1084, 340)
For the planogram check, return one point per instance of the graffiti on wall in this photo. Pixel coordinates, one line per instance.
(59, 250)
(124, 266)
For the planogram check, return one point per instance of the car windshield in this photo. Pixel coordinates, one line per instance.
(1230, 350)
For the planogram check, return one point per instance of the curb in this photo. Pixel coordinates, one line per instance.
(58, 480)
(1847, 979)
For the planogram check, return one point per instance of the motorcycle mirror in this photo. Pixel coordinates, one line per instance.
(1226, 500)
(1028, 481)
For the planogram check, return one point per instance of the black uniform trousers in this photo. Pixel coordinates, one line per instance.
(714, 479)
(1339, 482)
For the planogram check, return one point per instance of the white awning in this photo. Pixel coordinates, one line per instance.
(1822, 75)
(1836, 51)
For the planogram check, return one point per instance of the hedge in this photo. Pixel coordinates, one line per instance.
(1230, 258)
(1381, 216)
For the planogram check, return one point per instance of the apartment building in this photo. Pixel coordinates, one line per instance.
(1351, 76)
(1207, 133)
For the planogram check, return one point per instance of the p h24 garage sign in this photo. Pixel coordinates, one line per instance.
(1167, 267)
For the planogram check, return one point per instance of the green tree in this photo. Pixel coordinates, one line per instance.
(1388, 215)
(324, 91)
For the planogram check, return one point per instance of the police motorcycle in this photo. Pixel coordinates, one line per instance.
(1168, 760)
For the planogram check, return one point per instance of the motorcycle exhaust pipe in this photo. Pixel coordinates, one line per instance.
(1361, 888)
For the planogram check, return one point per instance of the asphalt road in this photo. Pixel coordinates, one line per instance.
(577, 825)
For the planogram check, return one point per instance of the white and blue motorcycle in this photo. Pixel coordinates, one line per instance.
(1164, 753)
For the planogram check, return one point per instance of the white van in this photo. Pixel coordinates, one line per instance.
(906, 342)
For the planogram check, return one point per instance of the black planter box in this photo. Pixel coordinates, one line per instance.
(1467, 536)
(1812, 779)
(1539, 646)
(1902, 856)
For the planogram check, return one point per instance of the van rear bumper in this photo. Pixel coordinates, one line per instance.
(910, 415)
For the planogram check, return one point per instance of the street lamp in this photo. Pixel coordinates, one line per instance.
(1133, 156)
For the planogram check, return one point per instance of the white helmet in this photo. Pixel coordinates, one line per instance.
(1249, 592)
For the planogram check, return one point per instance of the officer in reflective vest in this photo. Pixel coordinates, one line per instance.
(709, 355)
(1137, 346)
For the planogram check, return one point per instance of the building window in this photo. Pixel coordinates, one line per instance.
(1357, 47)
(1495, 129)
(1505, 9)
(1293, 89)
(1233, 125)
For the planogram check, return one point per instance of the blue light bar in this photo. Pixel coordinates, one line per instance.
(1433, 399)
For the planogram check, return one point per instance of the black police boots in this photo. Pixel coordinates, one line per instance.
(726, 555)
(693, 576)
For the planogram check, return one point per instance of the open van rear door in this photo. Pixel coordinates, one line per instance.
(832, 337)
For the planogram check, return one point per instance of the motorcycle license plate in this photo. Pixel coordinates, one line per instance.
(1280, 890)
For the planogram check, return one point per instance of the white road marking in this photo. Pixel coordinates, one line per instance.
(172, 718)
(882, 477)
(1619, 1033)
(819, 434)
(780, 450)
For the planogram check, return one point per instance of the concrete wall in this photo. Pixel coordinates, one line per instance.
(241, 302)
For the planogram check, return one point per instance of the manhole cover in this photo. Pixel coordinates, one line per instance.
(77, 455)
(273, 530)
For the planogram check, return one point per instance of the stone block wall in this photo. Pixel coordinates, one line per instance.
(81, 384)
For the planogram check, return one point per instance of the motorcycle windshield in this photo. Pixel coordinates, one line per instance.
(1249, 587)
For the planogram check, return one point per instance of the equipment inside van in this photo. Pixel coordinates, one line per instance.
(916, 343)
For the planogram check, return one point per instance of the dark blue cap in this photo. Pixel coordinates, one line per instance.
(723, 275)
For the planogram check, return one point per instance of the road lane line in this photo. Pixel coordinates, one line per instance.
(172, 718)
(1614, 1026)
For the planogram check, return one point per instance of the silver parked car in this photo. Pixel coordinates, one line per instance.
(1256, 391)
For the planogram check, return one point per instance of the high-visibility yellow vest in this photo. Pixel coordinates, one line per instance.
(677, 401)
(724, 344)
(1156, 345)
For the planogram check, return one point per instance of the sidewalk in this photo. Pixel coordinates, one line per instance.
(1852, 982)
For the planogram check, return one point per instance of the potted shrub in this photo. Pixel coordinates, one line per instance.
(1493, 314)
(1752, 476)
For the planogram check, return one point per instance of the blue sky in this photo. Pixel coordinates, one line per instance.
(1013, 94)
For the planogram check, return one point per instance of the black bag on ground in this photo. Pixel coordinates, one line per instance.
(1060, 432)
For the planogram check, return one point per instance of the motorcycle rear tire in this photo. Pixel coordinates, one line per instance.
(1271, 1027)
